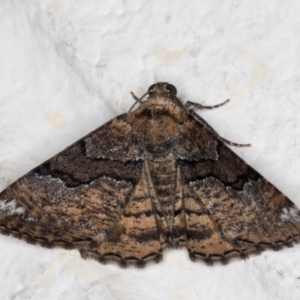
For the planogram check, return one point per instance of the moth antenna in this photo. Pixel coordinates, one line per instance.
(137, 100)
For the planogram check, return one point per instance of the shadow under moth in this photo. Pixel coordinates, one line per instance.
(154, 178)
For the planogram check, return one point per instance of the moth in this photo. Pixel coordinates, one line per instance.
(154, 178)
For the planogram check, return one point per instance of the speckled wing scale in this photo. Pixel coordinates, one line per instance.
(154, 178)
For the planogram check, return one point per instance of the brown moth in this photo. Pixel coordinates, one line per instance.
(158, 177)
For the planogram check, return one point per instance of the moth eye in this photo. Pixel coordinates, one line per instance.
(172, 88)
(151, 88)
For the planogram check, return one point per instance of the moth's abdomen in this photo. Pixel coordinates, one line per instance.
(164, 180)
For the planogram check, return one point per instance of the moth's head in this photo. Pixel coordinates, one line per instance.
(162, 88)
(159, 89)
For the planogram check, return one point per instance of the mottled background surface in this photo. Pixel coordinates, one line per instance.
(67, 66)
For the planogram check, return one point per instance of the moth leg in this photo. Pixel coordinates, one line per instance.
(208, 127)
(188, 104)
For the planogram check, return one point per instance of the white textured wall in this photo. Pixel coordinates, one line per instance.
(67, 66)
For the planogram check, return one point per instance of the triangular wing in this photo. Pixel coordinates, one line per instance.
(74, 199)
(231, 211)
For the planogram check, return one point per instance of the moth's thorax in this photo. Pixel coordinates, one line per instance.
(165, 101)
(157, 121)
(162, 126)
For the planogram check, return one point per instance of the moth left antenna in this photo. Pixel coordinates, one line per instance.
(137, 100)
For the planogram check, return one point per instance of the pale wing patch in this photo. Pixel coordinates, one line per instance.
(10, 208)
(290, 214)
